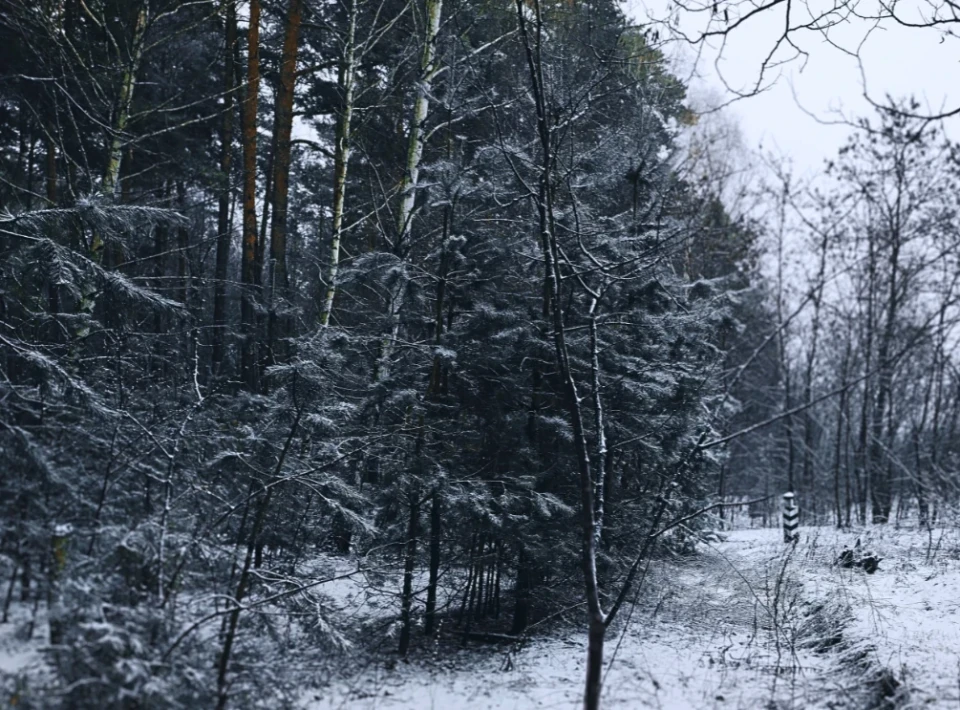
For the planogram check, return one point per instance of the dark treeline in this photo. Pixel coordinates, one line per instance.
(419, 287)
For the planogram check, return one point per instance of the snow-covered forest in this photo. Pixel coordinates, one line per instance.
(449, 354)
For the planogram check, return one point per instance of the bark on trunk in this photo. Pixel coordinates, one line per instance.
(809, 423)
(410, 557)
(410, 182)
(881, 493)
(223, 207)
(595, 639)
(51, 148)
(521, 609)
(429, 618)
(341, 159)
(111, 175)
(183, 247)
(249, 370)
(841, 414)
(282, 127)
(571, 398)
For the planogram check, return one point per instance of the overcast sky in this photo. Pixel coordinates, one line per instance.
(898, 61)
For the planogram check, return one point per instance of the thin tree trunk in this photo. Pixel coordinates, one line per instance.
(410, 182)
(848, 461)
(409, 560)
(250, 247)
(521, 610)
(341, 160)
(183, 247)
(466, 592)
(599, 427)
(8, 598)
(596, 618)
(429, 619)
(51, 149)
(782, 337)
(31, 153)
(26, 578)
(481, 574)
(809, 485)
(496, 592)
(223, 207)
(839, 436)
(53, 290)
(111, 176)
(880, 485)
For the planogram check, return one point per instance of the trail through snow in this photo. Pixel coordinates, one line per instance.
(747, 623)
(707, 635)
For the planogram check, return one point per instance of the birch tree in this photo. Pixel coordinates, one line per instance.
(410, 180)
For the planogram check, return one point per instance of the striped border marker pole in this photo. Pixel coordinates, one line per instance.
(791, 518)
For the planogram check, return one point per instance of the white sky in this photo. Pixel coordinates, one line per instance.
(898, 61)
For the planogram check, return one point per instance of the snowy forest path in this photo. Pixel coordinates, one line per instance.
(727, 628)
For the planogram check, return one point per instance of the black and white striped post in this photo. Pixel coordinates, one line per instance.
(791, 518)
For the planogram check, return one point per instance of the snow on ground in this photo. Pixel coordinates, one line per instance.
(21, 658)
(748, 623)
(906, 613)
(703, 637)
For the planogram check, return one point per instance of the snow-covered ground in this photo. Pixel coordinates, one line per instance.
(906, 613)
(728, 629)
(748, 623)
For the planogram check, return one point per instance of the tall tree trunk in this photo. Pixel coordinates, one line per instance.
(53, 290)
(409, 560)
(282, 127)
(521, 589)
(597, 620)
(784, 362)
(429, 618)
(249, 369)
(809, 423)
(111, 176)
(881, 493)
(841, 415)
(410, 182)
(51, 149)
(341, 160)
(599, 426)
(183, 246)
(223, 206)
(862, 479)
